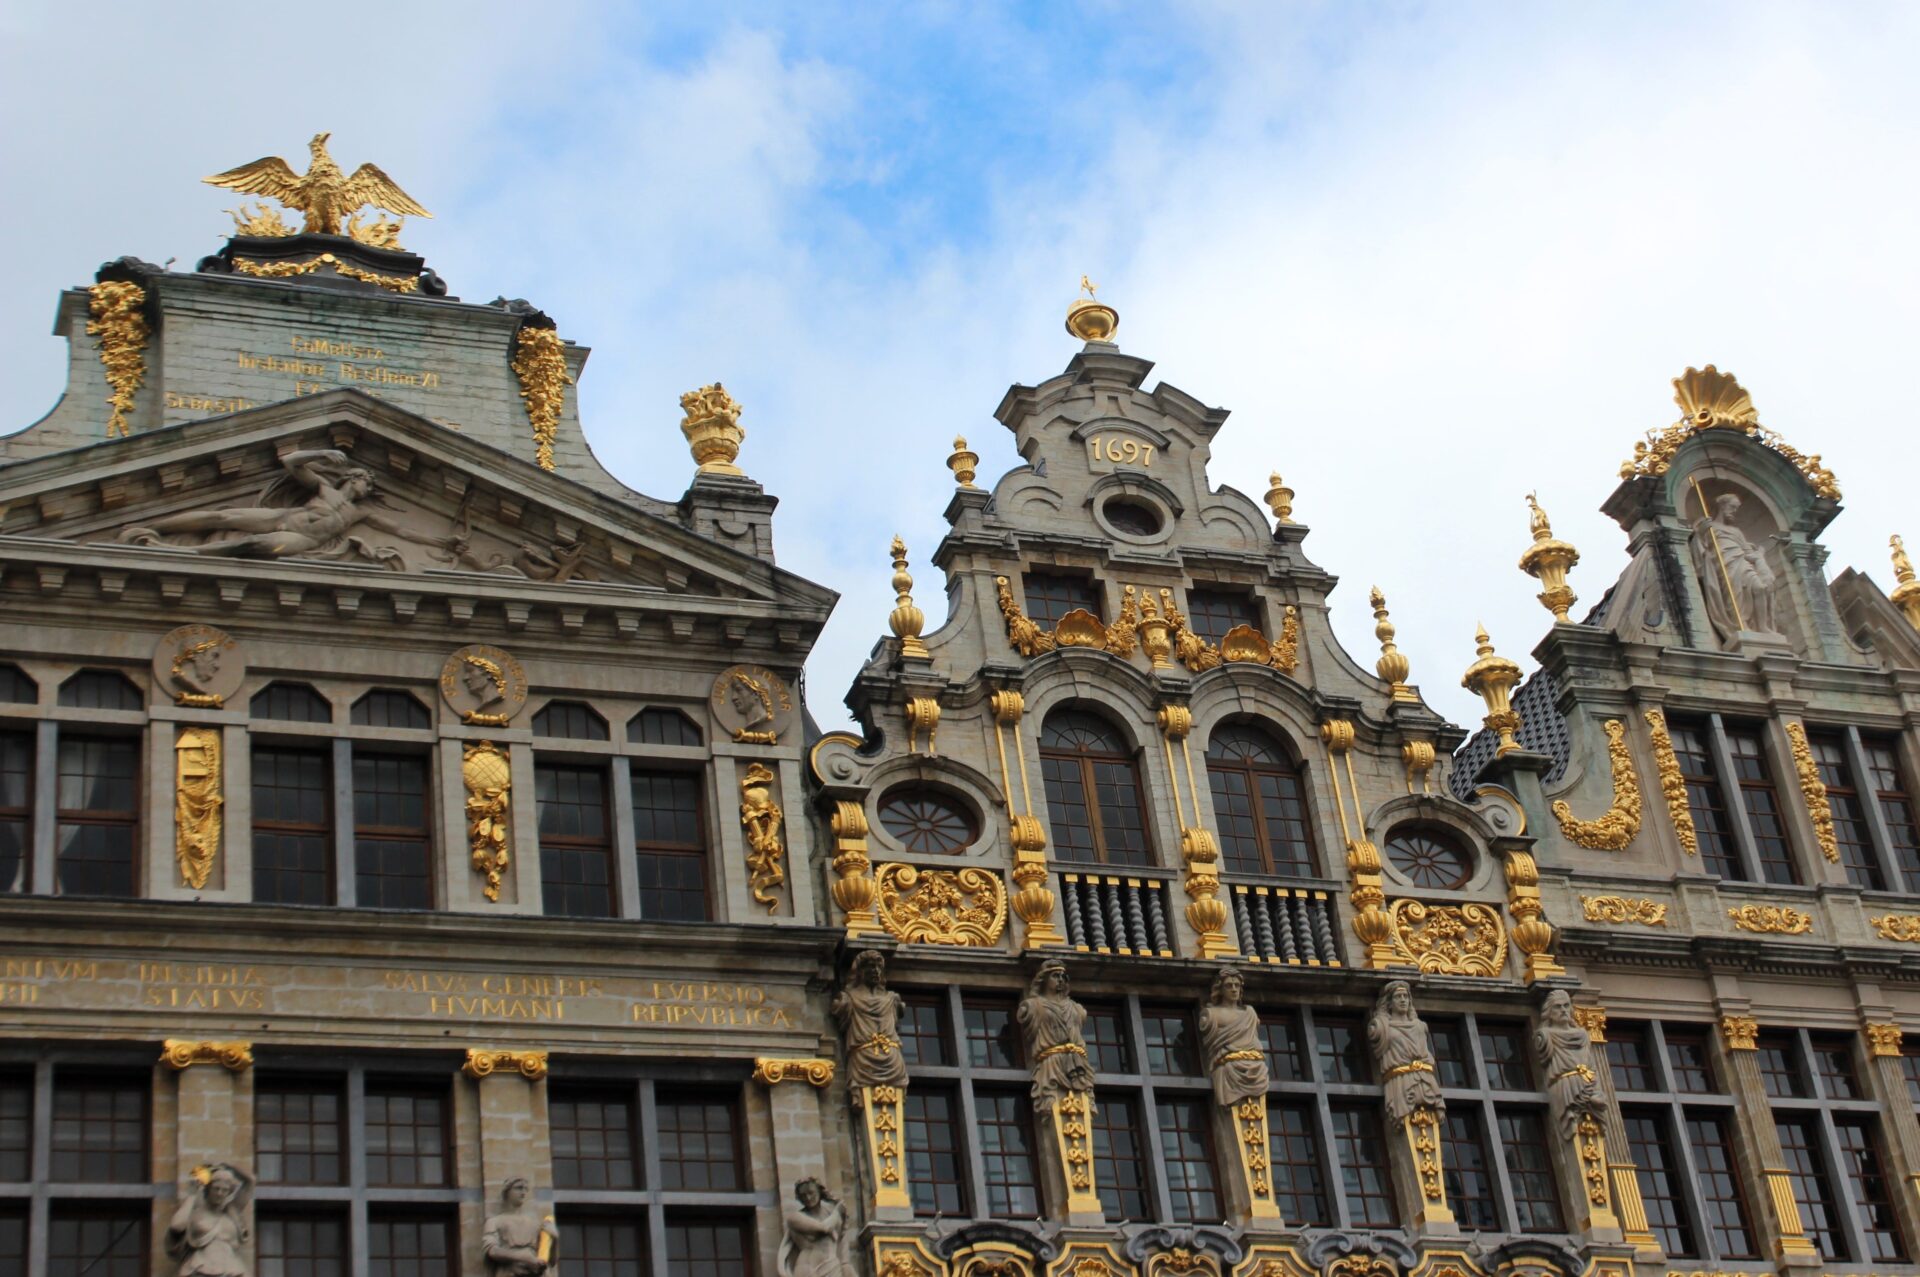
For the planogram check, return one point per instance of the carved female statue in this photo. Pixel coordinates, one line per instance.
(1052, 1022)
(1734, 575)
(815, 1244)
(1565, 1053)
(518, 1241)
(210, 1227)
(868, 1014)
(1230, 1041)
(1404, 1054)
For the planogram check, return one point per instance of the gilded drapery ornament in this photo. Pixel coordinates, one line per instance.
(962, 462)
(712, 429)
(1771, 919)
(290, 270)
(1547, 561)
(1883, 1040)
(1673, 785)
(485, 1061)
(966, 907)
(1492, 679)
(1713, 400)
(119, 325)
(197, 803)
(324, 193)
(184, 1053)
(1902, 927)
(488, 779)
(1648, 913)
(1620, 823)
(1392, 666)
(760, 816)
(1814, 790)
(1906, 589)
(540, 364)
(1466, 939)
(905, 620)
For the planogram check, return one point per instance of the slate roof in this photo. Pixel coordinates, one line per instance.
(1542, 731)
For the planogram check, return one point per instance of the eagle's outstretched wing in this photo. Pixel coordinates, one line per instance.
(370, 185)
(269, 176)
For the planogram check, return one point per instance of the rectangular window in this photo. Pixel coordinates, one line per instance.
(934, 1166)
(99, 1131)
(409, 1245)
(923, 1031)
(98, 796)
(1469, 1179)
(1450, 1052)
(13, 1237)
(1341, 1050)
(1212, 613)
(699, 1143)
(1628, 1058)
(1106, 1034)
(406, 1133)
(16, 809)
(1718, 1178)
(1780, 1073)
(1123, 826)
(1361, 1153)
(1299, 1182)
(991, 1039)
(1764, 817)
(1690, 1063)
(1173, 1048)
(1833, 1061)
(604, 1245)
(1119, 1159)
(592, 1134)
(1872, 1194)
(97, 1240)
(391, 832)
(292, 826)
(1660, 1176)
(296, 1132)
(1712, 828)
(1896, 807)
(1820, 1210)
(1523, 1143)
(1186, 1156)
(1069, 816)
(16, 1127)
(709, 1247)
(1006, 1154)
(575, 845)
(1051, 595)
(302, 1243)
(1849, 813)
(1503, 1048)
(670, 840)
(1280, 1038)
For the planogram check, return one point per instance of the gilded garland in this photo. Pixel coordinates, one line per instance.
(1464, 939)
(1673, 786)
(1158, 630)
(1771, 919)
(488, 779)
(1901, 927)
(120, 329)
(1616, 828)
(1814, 790)
(1713, 400)
(287, 270)
(541, 366)
(966, 907)
(760, 816)
(1621, 909)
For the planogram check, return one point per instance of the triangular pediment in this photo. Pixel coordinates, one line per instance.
(344, 479)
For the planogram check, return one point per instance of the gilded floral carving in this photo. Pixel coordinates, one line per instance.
(1771, 919)
(1903, 927)
(1617, 826)
(1673, 786)
(1622, 909)
(1713, 400)
(760, 816)
(1466, 939)
(488, 778)
(965, 907)
(1814, 790)
(120, 328)
(540, 364)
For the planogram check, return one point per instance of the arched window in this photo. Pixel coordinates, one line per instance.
(385, 708)
(290, 703)
(1093, 791)
(101, 689)
(1260, 802)
(569, 720)
(1429, 857)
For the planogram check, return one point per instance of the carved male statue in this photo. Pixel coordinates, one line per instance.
(518, 1242)
(1052, 1022)
(868, 1014)
(1564, 1051)
(1230, 1042)
(814, 1244)
(1734, 575)
(1403, 1053)
(209, 1230)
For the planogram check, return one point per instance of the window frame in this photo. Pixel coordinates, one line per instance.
(1083, 763)
(327, 831)
(132, 821)
(1046, 617)
(604, 843)
(1293, 770)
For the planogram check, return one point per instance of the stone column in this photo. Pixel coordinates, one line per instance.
(214, 1109)
(1887, 1083)
(1628, 1206)
(1761, 1159)
(799, 1151)
(1248, 1180)
(513, 1122)
(1066, 1159)
(1419, 1173)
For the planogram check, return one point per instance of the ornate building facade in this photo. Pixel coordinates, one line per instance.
(418, 860)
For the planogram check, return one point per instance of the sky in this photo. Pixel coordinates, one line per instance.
(1432, 257)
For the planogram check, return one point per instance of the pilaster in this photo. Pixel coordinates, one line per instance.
(1759, 1146)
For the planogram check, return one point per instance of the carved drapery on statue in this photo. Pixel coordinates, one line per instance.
(1563, 1048)
(517, 1240)
(1403, 1056)
(1735, 578)
(208, 1233)
(815, 1238)
(1236, 1063)
(1052, 1024)
(868, 1014)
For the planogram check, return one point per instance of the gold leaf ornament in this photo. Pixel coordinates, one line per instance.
(540, 364)
(965, 907)
(1466, 939)
(1614, 829)
(119, 327)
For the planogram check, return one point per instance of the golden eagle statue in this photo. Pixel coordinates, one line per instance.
(325, 194)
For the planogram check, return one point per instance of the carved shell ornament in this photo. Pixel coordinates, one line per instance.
(1710, 397)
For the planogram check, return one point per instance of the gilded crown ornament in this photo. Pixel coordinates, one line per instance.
(326, 195)
(1089, 318)
(713, 430)
(1492, 679)
(1392, 665)
(1712, 400)
(962, 462)
(1906, 590)
(1279, 499)
(906, 619)
(1547, 561)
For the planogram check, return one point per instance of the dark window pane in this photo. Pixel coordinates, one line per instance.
(406, 1134)
(934, 1167)
(97, 1241)
(1094, 801)
(1107, 1044)
(569, 720)
(592, 1132)
(16, 688)
(1280, 1038)
(13, 1238)
(16, 1127)
(1173, 1047)
(409, 1246)
(923, 1031)
(1503, 1048)
(1469, 1179)
(1896, 807)
(16, 808)
(1690, 1063)
(992, 1041)
(575, 848)
(662, 727)
(708, 1247)
(381, 708)
(1872, 1192)
(99, 1131)
(1259, 803)
(101, 689)
(1661, 1179)
(1299, 1182)
(1119, 1159)
(1821, 1211)
(603, 1245)
(296, 1132)
(99, 811)
(1764, 816)
(1051, 596)
(1833, 1061)
(292, 828)
(927, 821)
(1849, 813)
(1212, 613)
(1450, 1052)
(699, 1143)
(391, 838)
(1342, 1050)
(1712, 829)
(1779, 1059)
(1719, 1180)
(1629, 1058)
(1429, 858)
(670, 840)
(1361, 1154)
(290, 703)
(1006, 1155)
(301, 1244)
(1186, 1156)
(1523, 1143)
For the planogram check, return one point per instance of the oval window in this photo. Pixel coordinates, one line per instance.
(924, 820)
(1132, 518)
(1428, 858)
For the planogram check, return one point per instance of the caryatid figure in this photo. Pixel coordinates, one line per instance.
(1564, 1051)
(1403, 1051)
(1230, 1042)
(868, 1014)
(1053, 1022)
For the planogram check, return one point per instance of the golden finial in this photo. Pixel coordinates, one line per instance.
(1279, 499)
(712, 427)
(1392, 665)
(962, 462)
(1089, 318)
(906, 619)
(1547, 561)
(1492, 678)
(1906, 591)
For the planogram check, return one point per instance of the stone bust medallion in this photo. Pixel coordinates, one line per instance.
(199, 666)
(484, 685)
(752, 703)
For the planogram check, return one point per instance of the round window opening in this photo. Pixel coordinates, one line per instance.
(926, 821)
(1132, 518)
(1428, 858)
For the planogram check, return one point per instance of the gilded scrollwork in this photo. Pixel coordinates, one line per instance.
(1153, 626)
(119, 325)
(1814, 790)
(1903, 927)
(183, 1053)
(1673, 786)
(1619, 824)
(1713, 400)
(1622, 909)
(488, 779)
(288, 270)
(761, 817)
(772, 1072)
(485, 1061)
(1771, 919)
(540, 365)
(966, 907)
(1466, 939)
(197, 803)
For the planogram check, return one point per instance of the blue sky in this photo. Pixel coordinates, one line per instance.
(1431, 256)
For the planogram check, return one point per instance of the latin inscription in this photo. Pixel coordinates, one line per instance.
(184, 986)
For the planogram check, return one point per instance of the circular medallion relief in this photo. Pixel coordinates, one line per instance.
(752, 703)
(199, 666)
(483, 685)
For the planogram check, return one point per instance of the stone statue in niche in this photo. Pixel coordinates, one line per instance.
(1564, 1051)
(1056, 1050)
(1735, 577)
(518, 1241)
(1230, 1042)
(815, 1242)
(868, 1014)
(209, 1230)
(306, 513)
(1403, 1052)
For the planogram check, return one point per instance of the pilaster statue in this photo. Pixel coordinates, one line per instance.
(1052, 1022)
(1564, 1051)
(868, 1014)
(1403, 1052)
(518, 1241)
(1230, 1042)
(1734, 575)
(815, 1242)
(209, 1230)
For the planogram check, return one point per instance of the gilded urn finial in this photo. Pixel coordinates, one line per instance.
(906, 619)
(1492, 678)
(1547, 561)
(1906, 591)
(1279, 499)
(962, 462)
(1392, 665)
(713, 430)
(1089, 318)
